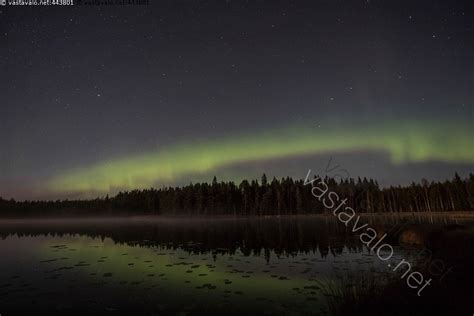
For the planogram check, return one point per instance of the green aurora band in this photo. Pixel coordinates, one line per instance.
(404, 141)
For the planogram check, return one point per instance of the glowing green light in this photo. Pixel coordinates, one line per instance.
(407, 141)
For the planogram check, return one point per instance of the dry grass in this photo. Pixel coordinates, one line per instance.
(353, 294)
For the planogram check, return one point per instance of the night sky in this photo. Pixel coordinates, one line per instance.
(97, 99)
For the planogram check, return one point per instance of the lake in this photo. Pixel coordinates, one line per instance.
(156, 265)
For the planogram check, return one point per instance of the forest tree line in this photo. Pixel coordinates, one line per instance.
(264, 197)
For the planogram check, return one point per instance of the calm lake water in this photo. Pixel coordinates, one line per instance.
(153, 265)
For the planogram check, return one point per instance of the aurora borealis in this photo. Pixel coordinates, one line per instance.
(155, 156)
(98, 99)
(404, 141)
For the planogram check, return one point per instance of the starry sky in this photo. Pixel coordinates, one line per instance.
(97, 99)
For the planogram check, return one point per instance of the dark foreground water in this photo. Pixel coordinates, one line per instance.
(178, 266)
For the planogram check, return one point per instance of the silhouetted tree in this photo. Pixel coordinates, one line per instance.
(285, 196)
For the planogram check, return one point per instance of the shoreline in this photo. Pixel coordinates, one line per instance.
(165, 217)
